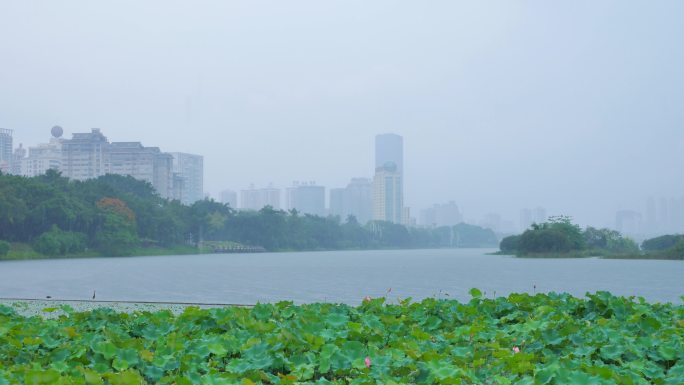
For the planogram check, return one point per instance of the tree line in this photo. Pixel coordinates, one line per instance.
(560, 237)
(116, 215)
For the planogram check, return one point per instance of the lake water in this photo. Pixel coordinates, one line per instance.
(339, 276)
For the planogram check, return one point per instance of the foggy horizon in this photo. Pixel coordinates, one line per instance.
(572, 107)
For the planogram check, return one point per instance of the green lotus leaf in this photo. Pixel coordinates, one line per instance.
(612, 352)
(217, 348)
(262, 312)
(668, 351)
(475, 293)
(39, 377)
(525, 381)
(336, 320)
(128, 377)
(107, 349)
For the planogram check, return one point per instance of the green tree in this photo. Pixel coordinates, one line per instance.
(510, 244)
(661, 243)
(609, 240)
(117, 233)
(4, 248)
(558, 235)
(57, 242)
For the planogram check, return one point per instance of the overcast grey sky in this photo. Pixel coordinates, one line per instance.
(577, 106)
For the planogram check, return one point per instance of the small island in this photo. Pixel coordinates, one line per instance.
(559, 237)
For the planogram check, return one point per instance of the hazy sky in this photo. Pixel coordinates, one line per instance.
(577, 106)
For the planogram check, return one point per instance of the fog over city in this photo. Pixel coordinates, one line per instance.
(574, 106)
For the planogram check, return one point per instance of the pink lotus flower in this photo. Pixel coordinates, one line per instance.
(516, 349)
(367, 362)
(366, 299)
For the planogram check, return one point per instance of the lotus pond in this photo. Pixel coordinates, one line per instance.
(519, 339)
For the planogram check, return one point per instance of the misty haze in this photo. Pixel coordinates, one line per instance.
(341, 192)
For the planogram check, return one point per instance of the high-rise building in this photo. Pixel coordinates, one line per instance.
(356, 199)
(388, 182)
(306, 198)
(389, 148)
(388, 204)
(188, 170)
(229, 197)
(46, 156)
(84, 155)
(338, 202)
(446, 214)
(258, 198)
(17, 160)
(143, 163)
(5, 150)
(91, 155)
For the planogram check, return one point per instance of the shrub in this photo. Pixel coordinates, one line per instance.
(661, 243)
(4, 248)
(558, 235)
(58, 242)
(510, 244)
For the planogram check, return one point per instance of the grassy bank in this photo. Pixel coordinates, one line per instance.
(23, 251)
(521, 339)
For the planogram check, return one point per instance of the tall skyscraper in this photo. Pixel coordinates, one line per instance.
(188, 168)
(388, 183)
(388, 197)
(389, 148)
(5, 150)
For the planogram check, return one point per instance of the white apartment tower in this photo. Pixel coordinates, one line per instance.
(189, 170)
(388, 197)
(84, 155)
(258, 198)
(5, 150)
(388, 183)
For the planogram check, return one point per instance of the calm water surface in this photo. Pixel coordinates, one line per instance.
(340, 276)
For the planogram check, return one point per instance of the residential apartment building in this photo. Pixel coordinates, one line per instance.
(258, 198)
(356, 200)
(5, 150)
(306, 198)
(388, 204)
(188, 168)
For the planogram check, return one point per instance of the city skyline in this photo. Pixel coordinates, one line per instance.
(89, 155)
(637, 218)
(501, 106)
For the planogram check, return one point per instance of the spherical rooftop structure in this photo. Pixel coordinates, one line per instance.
(57, 131)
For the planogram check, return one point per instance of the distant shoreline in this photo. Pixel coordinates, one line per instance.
(26, 254)
(581, 255)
